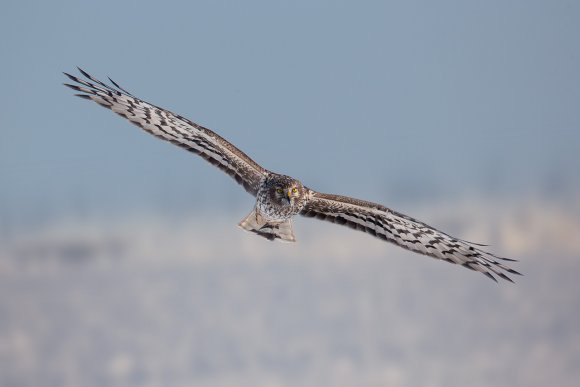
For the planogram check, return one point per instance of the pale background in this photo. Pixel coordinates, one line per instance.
(120, 262)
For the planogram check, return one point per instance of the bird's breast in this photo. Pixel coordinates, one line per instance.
(273, 211)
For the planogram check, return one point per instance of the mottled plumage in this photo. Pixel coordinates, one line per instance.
(280, 197)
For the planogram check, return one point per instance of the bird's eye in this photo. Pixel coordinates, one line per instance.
(279, 190)
(294, 190)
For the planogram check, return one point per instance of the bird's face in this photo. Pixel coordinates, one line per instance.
(287, 192)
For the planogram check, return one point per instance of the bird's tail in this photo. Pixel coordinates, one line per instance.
(256, 223)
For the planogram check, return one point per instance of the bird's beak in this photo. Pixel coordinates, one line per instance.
(289, 193)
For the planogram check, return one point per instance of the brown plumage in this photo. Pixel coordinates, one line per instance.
(278, 197)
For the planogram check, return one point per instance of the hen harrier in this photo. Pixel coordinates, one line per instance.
(280, 197)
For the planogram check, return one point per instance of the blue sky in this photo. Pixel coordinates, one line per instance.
(390, 101)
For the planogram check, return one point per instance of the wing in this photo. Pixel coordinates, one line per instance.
(404, 231)
(174, 128)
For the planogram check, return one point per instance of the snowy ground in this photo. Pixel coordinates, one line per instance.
(150, 301)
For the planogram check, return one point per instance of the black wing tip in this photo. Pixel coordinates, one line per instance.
(489, 275)
(84, 72)
(84, 96)
(512, 271)
(505, 277)
(120, 88)
(71, 77)
(74, 87)
(116, 89)
(114, 83)
(475, 243)
(502, 275)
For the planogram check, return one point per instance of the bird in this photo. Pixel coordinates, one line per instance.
(279, 198)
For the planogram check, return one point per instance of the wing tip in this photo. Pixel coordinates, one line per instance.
(74, 87)
(83, 72)
(501, 275)
(489, 275)
(84, 96)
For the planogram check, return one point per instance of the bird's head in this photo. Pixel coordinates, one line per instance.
(285, 190)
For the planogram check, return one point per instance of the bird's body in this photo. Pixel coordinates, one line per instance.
(279, 197)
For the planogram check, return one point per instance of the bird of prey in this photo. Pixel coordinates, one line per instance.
(278, 197)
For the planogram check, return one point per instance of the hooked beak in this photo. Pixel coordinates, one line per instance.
(289, 194)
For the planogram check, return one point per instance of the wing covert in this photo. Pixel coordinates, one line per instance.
(172, 127)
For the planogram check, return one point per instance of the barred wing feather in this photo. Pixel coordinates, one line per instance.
(405, 231)
(173, 128)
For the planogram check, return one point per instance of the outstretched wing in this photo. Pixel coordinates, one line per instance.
(173, 128)
(404, 231)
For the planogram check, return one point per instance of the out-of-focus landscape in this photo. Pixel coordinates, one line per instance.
(149, 301)
(120, 260)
